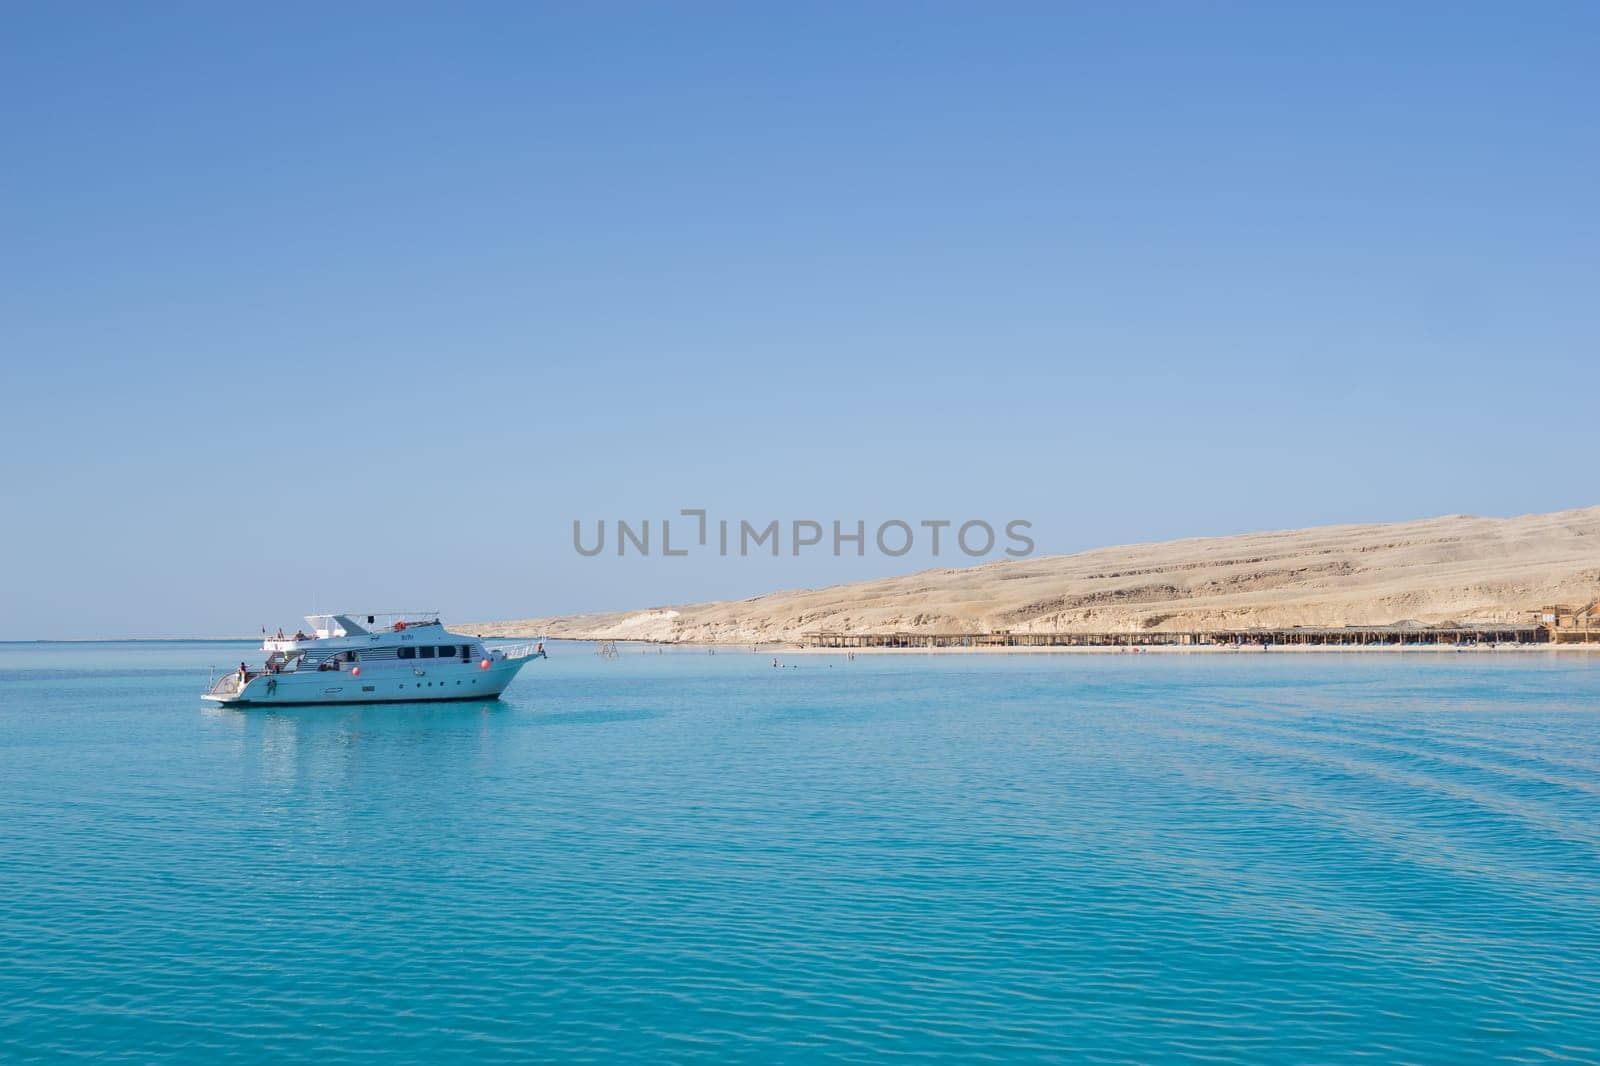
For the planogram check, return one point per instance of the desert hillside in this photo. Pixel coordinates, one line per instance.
(1458, 568)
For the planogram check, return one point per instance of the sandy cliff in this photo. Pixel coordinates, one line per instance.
(1454, 568)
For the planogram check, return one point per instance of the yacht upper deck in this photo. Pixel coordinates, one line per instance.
(345, 627)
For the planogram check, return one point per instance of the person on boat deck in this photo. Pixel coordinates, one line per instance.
(280, 633)
(299, 635)
(244, 672)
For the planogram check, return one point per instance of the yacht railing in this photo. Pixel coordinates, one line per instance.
(226, 685)
(520, 651)
(229, 683)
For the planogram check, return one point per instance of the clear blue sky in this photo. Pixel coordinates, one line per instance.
(368, 305)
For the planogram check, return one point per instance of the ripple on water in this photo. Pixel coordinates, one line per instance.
(689, 857)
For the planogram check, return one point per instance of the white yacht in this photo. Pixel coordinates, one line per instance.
(374, 658)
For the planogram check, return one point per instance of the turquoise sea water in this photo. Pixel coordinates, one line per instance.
(1102, 858)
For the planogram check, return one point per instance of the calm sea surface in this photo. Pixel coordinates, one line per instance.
(1108, 858)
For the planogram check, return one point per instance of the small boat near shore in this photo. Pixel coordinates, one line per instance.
(373, 658)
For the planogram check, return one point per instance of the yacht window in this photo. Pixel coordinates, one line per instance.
(405, 653)
(466, 652)
(426, 651)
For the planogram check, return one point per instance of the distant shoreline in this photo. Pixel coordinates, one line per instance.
(785, 648)
(1181, 649)
(134, 640)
